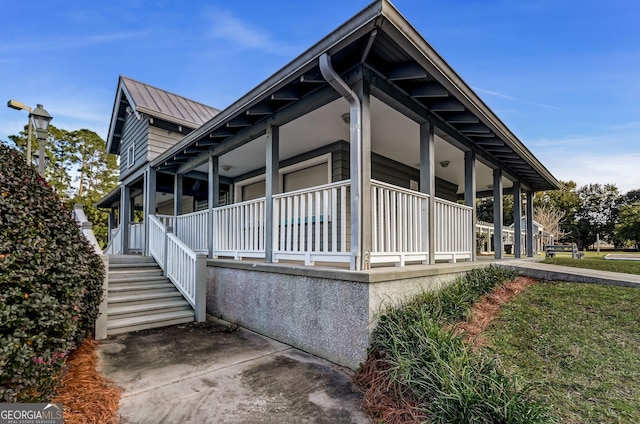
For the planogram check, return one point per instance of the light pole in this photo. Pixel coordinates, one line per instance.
(14, 104)
(41, 119)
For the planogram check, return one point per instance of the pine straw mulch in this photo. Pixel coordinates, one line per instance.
(385, 402)
(86, 395)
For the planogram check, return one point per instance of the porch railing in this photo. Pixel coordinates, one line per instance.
(136, 236)
(192, 230)
(399, 219)
(311, 224)
(114, 247)
(453, 231)
(238, 230)
(185, 268)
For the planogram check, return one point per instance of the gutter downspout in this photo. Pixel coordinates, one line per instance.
(355, 157)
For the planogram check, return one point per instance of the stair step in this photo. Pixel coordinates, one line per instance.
(141, 288)
(142, 322)
(123, 272)
(143, 297)
(143, 265)
(123, 259)
(139, 309)
(140, 279)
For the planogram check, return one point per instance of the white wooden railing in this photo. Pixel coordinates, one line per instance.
(157, 242)
(185, 268)
(114, 247)
(311, 224)
(454, 233)
(238, 230)
(136, 236)
(192, 230)
(399, 224)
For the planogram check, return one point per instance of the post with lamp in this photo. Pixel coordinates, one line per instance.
(14, 104)
(41, 119)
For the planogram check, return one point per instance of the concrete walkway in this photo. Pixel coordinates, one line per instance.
(532, 267)
(204, 373)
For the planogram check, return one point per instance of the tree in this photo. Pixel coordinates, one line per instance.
(79, 169)
(628, 227)
(565, 200)
(550, 218)
(597, 213)
(484, 210)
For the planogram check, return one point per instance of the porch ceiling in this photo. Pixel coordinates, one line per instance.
(406, 74)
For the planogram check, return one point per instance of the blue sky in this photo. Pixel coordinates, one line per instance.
(563, 75)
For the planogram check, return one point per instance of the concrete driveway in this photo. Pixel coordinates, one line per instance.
(209, 373)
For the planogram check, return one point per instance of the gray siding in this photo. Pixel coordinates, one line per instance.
(134, 132)
(160, 140)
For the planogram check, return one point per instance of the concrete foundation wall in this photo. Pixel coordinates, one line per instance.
(329, 313)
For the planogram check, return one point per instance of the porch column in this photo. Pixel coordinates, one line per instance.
(363, 90)
(272, 151)
(517, 220)
(213, 197)
(470, 195)
(529, 213)
(149, 203)
(177, 195)
(497, 213)
(125, 217)
(428, 187)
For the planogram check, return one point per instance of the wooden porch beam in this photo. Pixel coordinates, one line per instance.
(470, 193)
(429, 90)
(428, 187)
(448, 105)
(407, 71)
(260, 109)
(272, 160)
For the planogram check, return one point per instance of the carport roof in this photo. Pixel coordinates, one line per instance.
(405, 71)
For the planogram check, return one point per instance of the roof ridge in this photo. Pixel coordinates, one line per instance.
(169, 92)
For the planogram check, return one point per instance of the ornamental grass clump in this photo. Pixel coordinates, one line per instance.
(50, 283)
(431, 374)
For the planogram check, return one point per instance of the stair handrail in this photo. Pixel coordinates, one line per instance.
(86, 227)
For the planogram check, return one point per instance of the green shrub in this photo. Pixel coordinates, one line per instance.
(50, 283)
(438, 370)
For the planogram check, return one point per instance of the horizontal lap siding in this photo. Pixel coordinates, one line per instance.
(160, 140)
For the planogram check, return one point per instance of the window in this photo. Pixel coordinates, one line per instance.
(131, 158)
(305, 174)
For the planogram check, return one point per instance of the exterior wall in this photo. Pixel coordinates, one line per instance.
(160, 140)
(329, 313)
(134, 132)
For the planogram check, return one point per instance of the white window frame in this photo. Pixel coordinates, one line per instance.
(131, 156)
(318, 160)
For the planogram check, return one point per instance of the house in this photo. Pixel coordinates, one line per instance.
(344, 182)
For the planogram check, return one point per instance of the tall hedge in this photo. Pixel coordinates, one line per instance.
(50, 283)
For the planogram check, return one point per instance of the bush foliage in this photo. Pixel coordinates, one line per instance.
(50, 283)
(437, 370)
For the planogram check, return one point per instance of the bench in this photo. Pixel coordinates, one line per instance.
(553, 249)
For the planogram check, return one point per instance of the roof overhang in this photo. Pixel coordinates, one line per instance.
(405, 71)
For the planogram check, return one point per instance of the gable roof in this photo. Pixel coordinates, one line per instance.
(157, 103)
(406, 72)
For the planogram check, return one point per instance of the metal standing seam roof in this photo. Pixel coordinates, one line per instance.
(157, 103)
(406, 68)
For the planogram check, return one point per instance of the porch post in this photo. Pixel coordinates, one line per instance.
(428, 187)
(125, 217)
(497, 213)
(470, 194)
(213, 198)
(529, 213)
(149, 204)
(517, 220)
(363, 91)
(112, 222)
(177, 195)
(272, 151)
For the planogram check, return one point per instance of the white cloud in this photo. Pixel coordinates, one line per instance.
(515, 99)
(227, 27)
(62, 43)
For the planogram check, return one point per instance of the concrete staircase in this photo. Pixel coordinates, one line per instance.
(140, 297)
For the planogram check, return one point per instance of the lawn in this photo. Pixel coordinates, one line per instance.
(579, 345)
(593, 261)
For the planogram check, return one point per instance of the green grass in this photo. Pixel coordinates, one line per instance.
(593, 261)
(579, 344)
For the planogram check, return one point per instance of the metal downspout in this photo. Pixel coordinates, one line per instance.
(355, 140)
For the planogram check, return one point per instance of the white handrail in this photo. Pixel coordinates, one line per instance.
(114, 247)
(136, 235)
(454, 231)
(239, 229)
(157, 244)
(311, 224)
(86, 227)
(399, 219)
